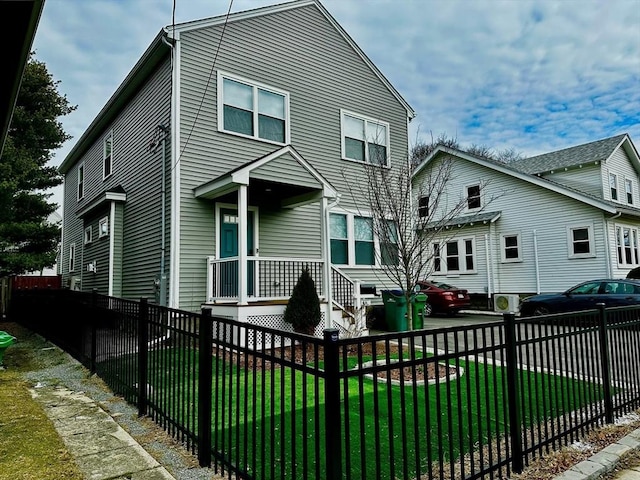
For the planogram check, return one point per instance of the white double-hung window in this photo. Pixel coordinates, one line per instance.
(454, 256)
(627, 245)
(354, 243)
(252, 110)
(364, 139)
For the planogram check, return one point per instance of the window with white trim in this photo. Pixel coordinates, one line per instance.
(107, 156)
(72, 257)
(252, 110)
(627, 245)
(103, 227)
(580, 241)
(353, 242)
(613, 186)
(454, 256)
(628, 186)
(511, 249)
(81, 181)
(364, 139)
(88, 234)
(473, 197)
(423, 206)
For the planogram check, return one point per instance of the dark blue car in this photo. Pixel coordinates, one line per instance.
(584, 296)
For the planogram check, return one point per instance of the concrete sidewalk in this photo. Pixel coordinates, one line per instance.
(102, 448)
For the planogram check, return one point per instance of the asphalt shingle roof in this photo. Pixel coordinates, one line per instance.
(597, 151)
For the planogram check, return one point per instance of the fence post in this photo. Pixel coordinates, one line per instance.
(143, 356)
(513, 400)
(205, 343)
(94, 329)
(333, 450)
(604, 362)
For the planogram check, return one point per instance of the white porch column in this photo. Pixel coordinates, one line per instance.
(326, 257)
(242, 245)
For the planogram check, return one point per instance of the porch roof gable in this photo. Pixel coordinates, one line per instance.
(299, 173)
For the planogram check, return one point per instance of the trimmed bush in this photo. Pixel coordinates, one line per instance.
(303, 309)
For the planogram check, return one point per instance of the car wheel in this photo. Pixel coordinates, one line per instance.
(428, 310)
(540, 310)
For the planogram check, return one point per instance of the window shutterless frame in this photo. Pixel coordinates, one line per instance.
(580, 241)
(80, 191)
(253, 110)
(364, 139)
(107, 156)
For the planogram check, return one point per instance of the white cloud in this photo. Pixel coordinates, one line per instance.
(530, 75)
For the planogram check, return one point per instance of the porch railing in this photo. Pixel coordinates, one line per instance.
(268, 278)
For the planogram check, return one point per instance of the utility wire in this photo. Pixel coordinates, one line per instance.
(206, 88)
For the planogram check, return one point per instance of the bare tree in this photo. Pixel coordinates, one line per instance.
(409, 215)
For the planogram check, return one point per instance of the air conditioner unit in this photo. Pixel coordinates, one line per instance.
(506, 302)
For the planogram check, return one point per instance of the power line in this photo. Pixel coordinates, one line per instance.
(206, 88)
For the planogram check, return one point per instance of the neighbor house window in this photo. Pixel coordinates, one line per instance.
(365, 251)
(253, 110)
(627, 245)
(511, 248)
(423, 206)
(580, 241)
(80, 181)
(628, 186)
(454, 256)
(473, 197)
(107, 156)
(88, 235)
(364, 139)
(72, 257)
(613, 185)
(103, 227)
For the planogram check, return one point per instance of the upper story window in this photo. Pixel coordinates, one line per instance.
(103, 227)
(72, 257)
(423, 206)
(364, 139)
(474, 200)
(80, 181)
(88, 235)
(580, 240)
(628, 186)
(107, 156)
(511, 249)
(454, 256)
(252, 110)
(613, 186)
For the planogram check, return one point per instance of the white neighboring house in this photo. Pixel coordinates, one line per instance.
(54, 219)
(555, 219)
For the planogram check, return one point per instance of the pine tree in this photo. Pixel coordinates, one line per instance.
(303, 309)
(27, 241)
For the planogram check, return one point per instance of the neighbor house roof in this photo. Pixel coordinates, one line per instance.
(23, 18)
(580, 155)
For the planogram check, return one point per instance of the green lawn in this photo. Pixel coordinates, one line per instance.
(260, 419)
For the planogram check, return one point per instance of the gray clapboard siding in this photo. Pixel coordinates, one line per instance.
(296, 51)
(587, 179)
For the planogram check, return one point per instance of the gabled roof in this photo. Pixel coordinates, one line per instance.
(509, 170)
(174, 32)
(580, 155)
(159, 50)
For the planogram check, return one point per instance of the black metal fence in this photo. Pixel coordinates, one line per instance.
(467, 402)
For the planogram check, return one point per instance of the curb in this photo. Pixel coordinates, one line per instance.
(604, 461)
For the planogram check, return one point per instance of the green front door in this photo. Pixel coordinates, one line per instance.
(229, 248)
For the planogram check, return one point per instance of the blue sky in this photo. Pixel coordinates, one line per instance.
(534, 76)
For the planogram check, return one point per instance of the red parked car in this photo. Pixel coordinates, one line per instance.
(444, 298)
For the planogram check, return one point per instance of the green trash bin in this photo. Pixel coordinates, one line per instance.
(6, 341)
(395, 310)
(417, 314)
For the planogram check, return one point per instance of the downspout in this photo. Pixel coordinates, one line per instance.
(608, 243)
(327, 256)
(488, 261)
(163, 228)
(536, 260)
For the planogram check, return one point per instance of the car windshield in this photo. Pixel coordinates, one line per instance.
(444, 286)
